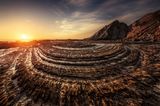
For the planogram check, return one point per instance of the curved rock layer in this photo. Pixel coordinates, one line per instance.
(95, 74)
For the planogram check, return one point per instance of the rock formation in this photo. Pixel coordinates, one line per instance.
(114, 31)
(146, 28)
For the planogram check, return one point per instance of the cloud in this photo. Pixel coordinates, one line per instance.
(79, 2)
(90, 19)
(77, 17)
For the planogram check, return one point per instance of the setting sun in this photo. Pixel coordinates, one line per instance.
(25, 38)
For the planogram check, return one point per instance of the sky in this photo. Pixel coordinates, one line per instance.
(66, 19)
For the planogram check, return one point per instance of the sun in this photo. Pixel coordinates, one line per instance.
(25, 38)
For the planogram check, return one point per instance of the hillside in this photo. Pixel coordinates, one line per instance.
(114, 31)
(146, 28)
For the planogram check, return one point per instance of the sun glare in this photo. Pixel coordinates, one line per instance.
(25, 38)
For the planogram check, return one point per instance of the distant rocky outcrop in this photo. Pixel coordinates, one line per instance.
(114, 31)
(146, 28)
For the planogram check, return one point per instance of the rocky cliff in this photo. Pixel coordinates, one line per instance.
(146, 28)
(114, 31)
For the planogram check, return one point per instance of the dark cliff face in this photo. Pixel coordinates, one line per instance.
(146, 28)
(114, 31)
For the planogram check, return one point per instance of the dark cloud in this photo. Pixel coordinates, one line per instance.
(100, 9)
